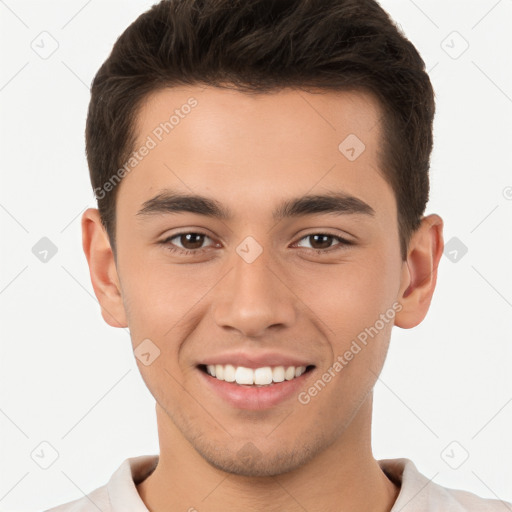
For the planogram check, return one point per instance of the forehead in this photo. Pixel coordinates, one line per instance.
(243, 147)
(297, 122)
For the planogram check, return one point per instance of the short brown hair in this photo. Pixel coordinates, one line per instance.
(263, 46)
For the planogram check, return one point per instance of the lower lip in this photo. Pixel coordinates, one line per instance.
(255, 397)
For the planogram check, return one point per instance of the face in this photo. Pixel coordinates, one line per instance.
(287, 253)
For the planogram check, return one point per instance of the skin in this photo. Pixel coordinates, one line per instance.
(250, 153)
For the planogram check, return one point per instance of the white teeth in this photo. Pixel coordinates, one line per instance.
(289, 374)
(278, 374)
(263, 376)
(229, 373)
(244, 375)
(299, 371)
(260, 376)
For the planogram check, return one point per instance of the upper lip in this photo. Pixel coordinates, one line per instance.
(255, 360)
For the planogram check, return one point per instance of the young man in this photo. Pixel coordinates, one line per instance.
(261, 170)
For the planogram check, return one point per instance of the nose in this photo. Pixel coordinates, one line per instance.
(253, 298)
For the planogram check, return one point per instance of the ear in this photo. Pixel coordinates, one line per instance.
(102, 268)
(419, 272)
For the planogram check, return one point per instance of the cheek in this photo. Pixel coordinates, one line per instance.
(350, 300)
(163, 305)
(161, 300)
(355, 305)
(351, 296)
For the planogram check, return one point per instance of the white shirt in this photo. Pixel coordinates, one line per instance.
(417, 492)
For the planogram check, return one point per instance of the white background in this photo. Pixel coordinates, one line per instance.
(70, 380)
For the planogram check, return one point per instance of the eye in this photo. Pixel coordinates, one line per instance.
(323, 241)
(187, 242)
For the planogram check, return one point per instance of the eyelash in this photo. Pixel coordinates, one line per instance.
(186, 252)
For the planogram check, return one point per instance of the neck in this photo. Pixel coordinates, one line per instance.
(346, 473)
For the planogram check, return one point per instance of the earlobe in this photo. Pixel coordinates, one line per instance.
(419, 272)
(102, 268)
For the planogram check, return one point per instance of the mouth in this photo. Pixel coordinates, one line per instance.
(265, 376)
(254, 381)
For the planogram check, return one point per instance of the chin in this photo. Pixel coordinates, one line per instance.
(249, 461)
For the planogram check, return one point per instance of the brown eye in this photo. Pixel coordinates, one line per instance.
(323, 242)
(187, 242)
(191, 240)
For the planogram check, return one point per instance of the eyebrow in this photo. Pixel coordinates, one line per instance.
(337, 203)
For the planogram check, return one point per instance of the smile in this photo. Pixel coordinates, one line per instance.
(254, 380)
(264, 376)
